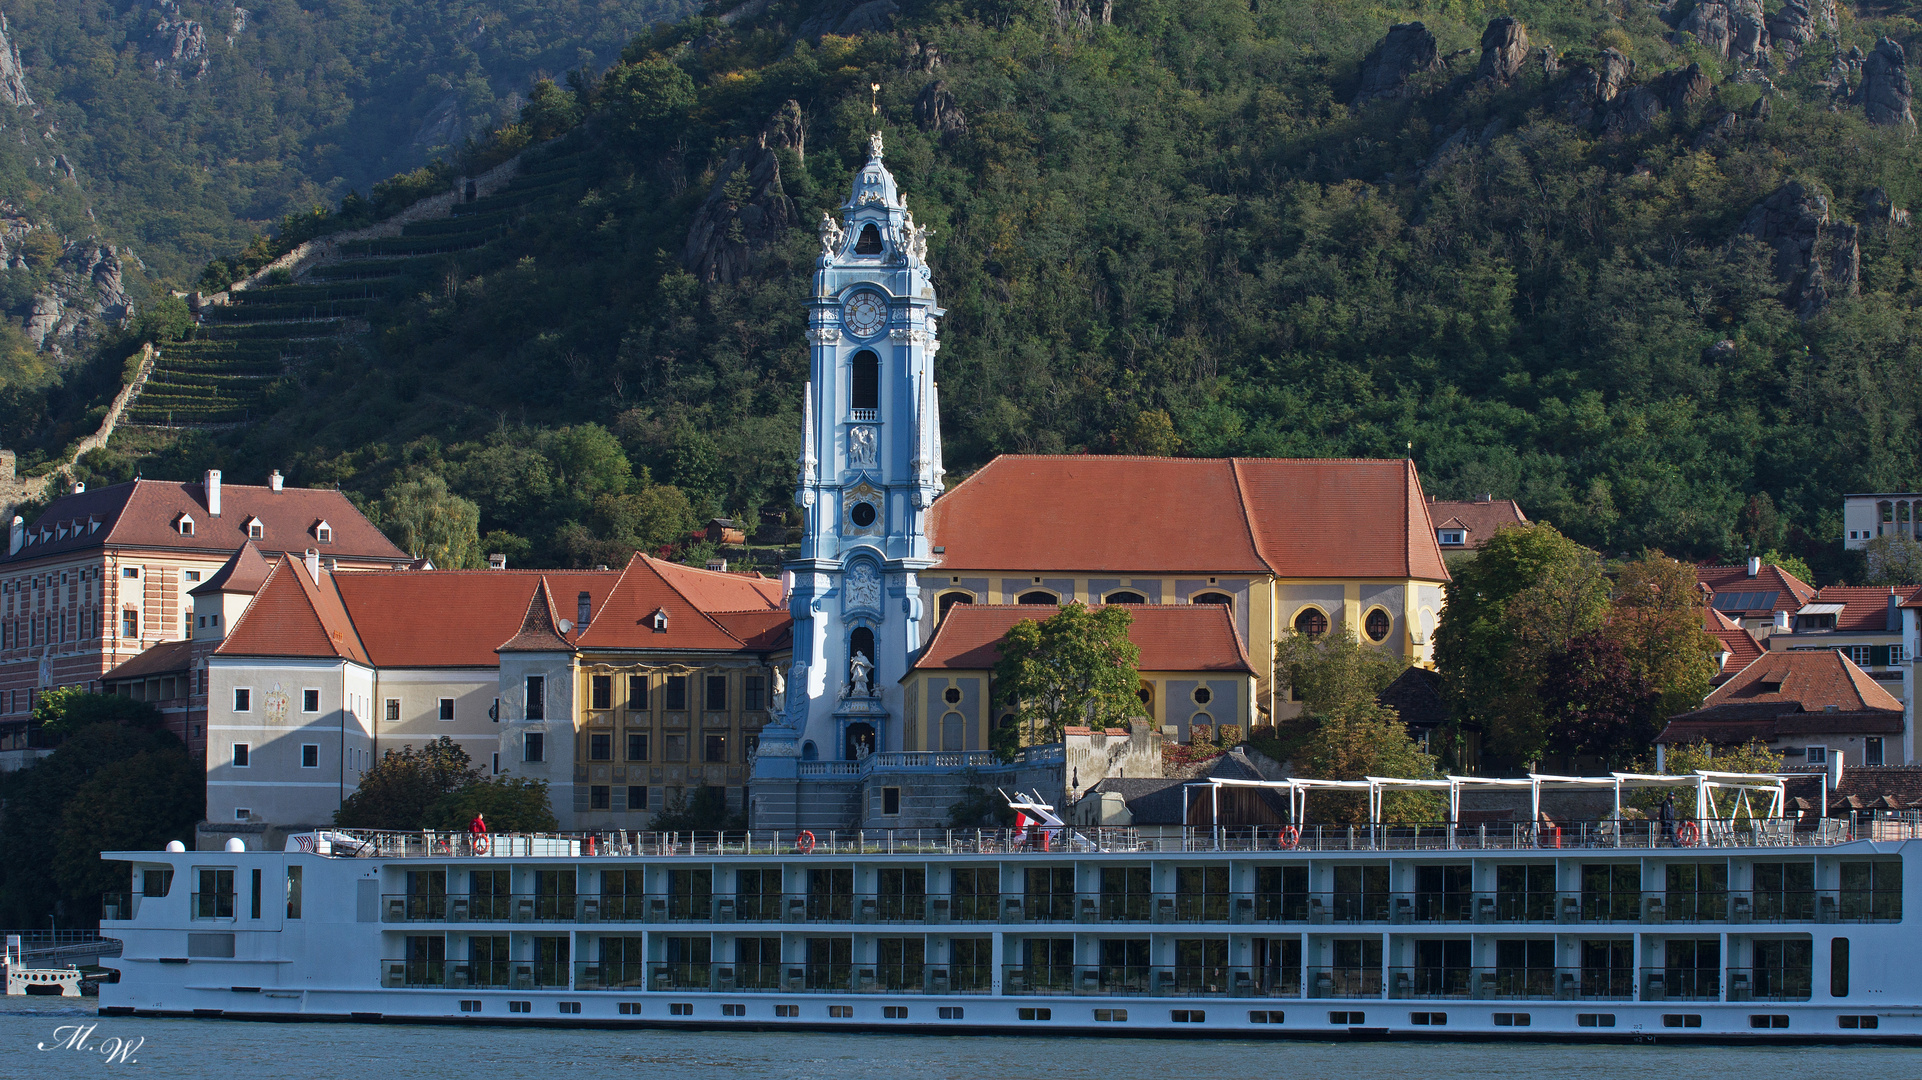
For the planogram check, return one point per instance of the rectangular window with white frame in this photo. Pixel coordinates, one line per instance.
(1898, 654)
(242, 755)
(393, 710)
(1818, 755)
(310, 701)
(446, 708)
(243, 699)
(309, 756)
(537, 697)
(1872, 750)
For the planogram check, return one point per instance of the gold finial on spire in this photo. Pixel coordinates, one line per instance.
(874, 98)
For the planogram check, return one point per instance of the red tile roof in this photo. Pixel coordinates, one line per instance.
(1742, 646)
(164, 658)
(1171, 637)
(649, 585)
(1478, 518)
(761, 631)
(243, 572)
(146, 514)
(715, 590)
(1727, 582)
(1866, 609)
(455, 618)
(1293, 518)
(539, 629)
(1785, 693)
(294, 615)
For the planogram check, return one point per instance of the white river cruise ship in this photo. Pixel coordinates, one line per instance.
(1754, 927)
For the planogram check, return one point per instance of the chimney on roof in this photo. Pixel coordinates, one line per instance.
(718, 565)
(276, 480)
(583, 609)
(1894, 622)
(213, 492)
(1486, 497)
(1754, 565)
(497, 561)
(1782, 621)
(313, 564)
(1835, 769)
(16, 535)
(79, 487)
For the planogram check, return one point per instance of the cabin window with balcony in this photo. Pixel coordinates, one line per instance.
(623, 895)
(1608, 968)
(970, 963)
(551, 956)
(1784, 891)
(554, 895)
(830, 895)
(1691, 970)
(487, 957)
(901, 893)
(902, 963)
(1525, 967)
(1278, 965)
(1444, 893)
(426, 895)
(1050, 894)
(1201, 965)
(1356, 971)
(976, 893)
(1125, 966)
(1525, 893)
(757, 963)
(1442, 969)
(758, 895)
(1696, 892)
(1871, 892)
(1127, 894)
(1201, 893)
(1047, 964)
(490, 895)
(690, 894)
(1783, 970)
(1281, 893)
(830, 962)
(1361, 893)
(1611, 892)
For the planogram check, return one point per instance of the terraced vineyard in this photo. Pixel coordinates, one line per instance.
(249, 350)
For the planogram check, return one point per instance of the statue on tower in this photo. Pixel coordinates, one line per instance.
(832, 236)
(858, 670)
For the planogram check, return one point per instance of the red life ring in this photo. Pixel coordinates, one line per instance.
(804, 843)
(1688, 834)
(1290, 836)
(480, 843)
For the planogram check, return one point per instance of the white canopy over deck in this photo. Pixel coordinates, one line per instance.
(1703, 782)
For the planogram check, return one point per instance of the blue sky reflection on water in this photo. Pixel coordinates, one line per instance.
(229, 1050)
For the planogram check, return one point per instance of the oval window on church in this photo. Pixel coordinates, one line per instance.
(1311, 622)
(862, 515)
(1377, 625)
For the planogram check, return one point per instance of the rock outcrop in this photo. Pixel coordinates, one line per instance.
(745, 211)
(1816, 260)
(1791, 28)
(1504, 50)
(1408, 50)
(1885, 92)
(936, 110)
(787, 129)
(1083, 14)
(1591, 88)
(178, 41)
(1879, 210)
(1674, 91)
(443, 125)
(1732, 29)
(86, 294)
(13, 77)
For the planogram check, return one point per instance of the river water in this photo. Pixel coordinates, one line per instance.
(233, 1050)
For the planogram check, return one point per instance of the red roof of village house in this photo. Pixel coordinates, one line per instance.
(294, 615)
(718, 590)
(1292, 518)
(648, 585)
(1171, 637)
(243, 572)
(147, 513)
(1814, 692)
(1477, 518)
(1741, 645)
(1750, 596)
(454, 618)
(1866, 607)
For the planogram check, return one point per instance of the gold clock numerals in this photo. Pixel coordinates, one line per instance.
(865, 314)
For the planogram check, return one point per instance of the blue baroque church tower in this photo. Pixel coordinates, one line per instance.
(870, 467)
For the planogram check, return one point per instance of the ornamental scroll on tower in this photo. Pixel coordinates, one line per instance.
(870, 467)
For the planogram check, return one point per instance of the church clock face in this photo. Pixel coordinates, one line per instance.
(865, 314)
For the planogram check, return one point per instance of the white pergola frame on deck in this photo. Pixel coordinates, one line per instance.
(1704, 783)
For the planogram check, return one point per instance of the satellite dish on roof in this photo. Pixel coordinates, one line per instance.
(566, 625)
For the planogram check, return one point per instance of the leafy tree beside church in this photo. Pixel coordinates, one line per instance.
(1075, 667)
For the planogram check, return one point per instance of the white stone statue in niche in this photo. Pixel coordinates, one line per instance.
(862, 588)
(858, 669)
(861, 447)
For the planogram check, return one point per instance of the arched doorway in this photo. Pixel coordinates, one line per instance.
(860, 737)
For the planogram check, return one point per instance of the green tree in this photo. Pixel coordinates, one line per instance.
(703, 811)
(648, 98)
(1753, 756)
(1335, 674)
(509, 803)
(1597, 703)
(1370, 742)
(1074, 667)
(1656, 618)
(549, 111)
(64, 710)
(404, 784)
(1522, 599)
(428, 521)
(137, 803)
(1794, 564)
(1893, 560)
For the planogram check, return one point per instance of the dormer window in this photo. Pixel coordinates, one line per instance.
(870, 241)
(61, 532)
(185, 525)
(324, 532)
(1451, 537)
(658, 620)
(256, 530)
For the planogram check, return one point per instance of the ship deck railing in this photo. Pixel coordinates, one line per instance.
(1326, 907)
(1714, 833)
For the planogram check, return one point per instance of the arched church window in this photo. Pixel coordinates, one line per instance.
(1038, 597)
(1311, 622)
(949, 599)
(862, 642)
(1215, 598)
(1125, 597)
(865, 384)
(1376, 624)
(870, 241)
